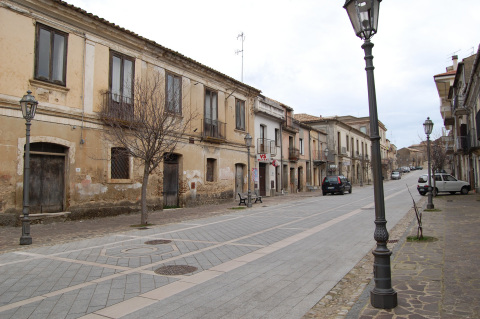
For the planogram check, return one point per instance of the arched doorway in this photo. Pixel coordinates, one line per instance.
(47, 177)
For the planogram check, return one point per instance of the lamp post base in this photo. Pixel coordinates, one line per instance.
(26, 239)
(383, 299)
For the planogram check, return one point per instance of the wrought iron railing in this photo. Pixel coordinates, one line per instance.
(266, 146)
(117, 107)
(293, 154)
(214, 129)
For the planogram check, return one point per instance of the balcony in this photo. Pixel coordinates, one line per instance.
(214, 130)
(266, 146)
(293, 154)
(117, 107)
(291, 125)
(318, 157)
(343, 151)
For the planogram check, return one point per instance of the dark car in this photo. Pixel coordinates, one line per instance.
(336, 184)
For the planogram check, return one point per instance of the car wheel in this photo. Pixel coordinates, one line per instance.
(350, 190)
(423, 194)
(342, 192)
(464, 190)
(324, 193)
(435, 192)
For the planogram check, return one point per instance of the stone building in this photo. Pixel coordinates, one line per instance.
(349, 148)
(74, 62)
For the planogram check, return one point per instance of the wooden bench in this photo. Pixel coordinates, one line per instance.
(244, 198)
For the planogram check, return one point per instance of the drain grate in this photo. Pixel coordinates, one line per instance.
(392, 241)
(158, 242)
(175, 270)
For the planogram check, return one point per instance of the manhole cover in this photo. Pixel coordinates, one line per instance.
(158, 242)
(142, 228)
(175, 270)
(392, 241)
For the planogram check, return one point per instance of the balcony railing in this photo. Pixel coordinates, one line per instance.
(319, 157)
(293, 154)
(214, 130)
(266, 146)
(116, 106)
(461, 143)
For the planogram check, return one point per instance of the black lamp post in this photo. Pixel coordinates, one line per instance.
(326, 158)
(248, 143)
(428, 127)
(363, 15)
(29, 106)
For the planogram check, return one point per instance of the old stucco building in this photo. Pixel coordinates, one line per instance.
(71, 60)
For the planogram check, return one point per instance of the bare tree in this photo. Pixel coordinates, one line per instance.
(149, 125)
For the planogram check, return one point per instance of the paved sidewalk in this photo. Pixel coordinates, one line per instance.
(437, 279)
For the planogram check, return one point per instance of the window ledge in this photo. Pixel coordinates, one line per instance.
(48, 85)
(120, 181)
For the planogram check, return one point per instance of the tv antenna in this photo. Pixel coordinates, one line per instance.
(242, 36)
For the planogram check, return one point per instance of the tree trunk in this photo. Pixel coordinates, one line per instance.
(144, 212)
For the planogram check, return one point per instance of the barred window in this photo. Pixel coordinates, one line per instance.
(120, 163)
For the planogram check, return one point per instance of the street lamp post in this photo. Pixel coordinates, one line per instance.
(363, 15)
(29, 107)
(248, 143)
(428, 127)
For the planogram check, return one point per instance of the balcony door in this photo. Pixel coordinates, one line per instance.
(211, 113)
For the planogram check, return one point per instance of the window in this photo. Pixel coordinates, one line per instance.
(211, 114)
(50, 55)
(240, 114)
(174, 93)
(346, 140)
(301, 146)
(211, 169)
(120, 163)
(121, 78)
(277, 137)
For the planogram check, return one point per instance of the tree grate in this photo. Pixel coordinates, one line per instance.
(158, 242)
(174, 270)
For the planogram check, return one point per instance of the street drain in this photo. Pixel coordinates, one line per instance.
(392, 241)
(142, 228)
(158, 242)
(175, 270)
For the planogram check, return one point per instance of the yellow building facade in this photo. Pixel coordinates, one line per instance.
(74, 63)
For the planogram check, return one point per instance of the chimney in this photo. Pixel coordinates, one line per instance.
(455, 62)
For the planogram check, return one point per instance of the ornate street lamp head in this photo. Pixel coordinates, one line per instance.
(428, 126)
(29, 106)
(326, 152)
(363, 15)
(248, 140)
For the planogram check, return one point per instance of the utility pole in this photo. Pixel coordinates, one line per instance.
(242, 36)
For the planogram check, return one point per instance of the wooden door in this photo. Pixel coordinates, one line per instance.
(262, 179)
(238, 179)
(170, 181)
(47, 183)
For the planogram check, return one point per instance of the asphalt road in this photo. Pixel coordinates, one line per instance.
(271, 261)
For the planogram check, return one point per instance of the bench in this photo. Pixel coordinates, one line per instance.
(244, 198)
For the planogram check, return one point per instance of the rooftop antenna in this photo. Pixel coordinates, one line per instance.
(241, 35)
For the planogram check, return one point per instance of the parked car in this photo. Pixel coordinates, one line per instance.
(419, 167)
(443, 183)
(336, 184)
(396, 175)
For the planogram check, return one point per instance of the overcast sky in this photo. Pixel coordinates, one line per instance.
(305, 54)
